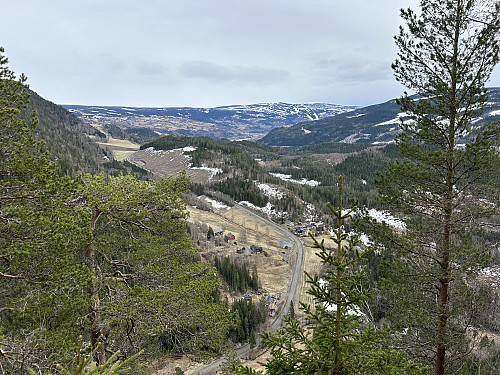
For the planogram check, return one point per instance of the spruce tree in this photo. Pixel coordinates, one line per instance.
(445, 185)
(335, 337)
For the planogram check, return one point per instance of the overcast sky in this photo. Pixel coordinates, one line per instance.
(204, 53)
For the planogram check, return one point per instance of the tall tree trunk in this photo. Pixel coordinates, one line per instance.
(339, 278)
(443, 300)
(97, 338)
(444, 262)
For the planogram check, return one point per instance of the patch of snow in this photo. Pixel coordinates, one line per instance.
(389, 122)
(494, 113)
(288, 177)
(316, 117)
(487, 202)
(268, 209)
(305, 131)
(269, 191)
(363, 238)
(383, 143)
(396, 120)
(216, 204)
(152, 151)
(351, 138)
(491, 272)
(332, 307)
(358, 115)
(383, 216)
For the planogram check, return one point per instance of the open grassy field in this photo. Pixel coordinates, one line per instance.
(120, 148)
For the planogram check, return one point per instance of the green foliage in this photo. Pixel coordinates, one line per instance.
(237, 276)
(39, 236)
(115, 131)
(85, 365)
(140, 134)
(230, 363)
(209, 151)
(292, 310)
(242, 189)
(66, 137)
(333, 147)
(139, 246)
(134, 168)
(115, 164)
(250, 315)
(116, 167)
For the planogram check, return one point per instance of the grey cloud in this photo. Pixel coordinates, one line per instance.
(219, 73)
(149, 68)
(109, 63)
(346, 67)
(358, 70)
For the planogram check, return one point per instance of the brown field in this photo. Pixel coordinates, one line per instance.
(120, 148)
(273, 270)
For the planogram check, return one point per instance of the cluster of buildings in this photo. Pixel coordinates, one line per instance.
(314, 228)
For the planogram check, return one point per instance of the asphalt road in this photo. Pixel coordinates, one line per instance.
(297, 269)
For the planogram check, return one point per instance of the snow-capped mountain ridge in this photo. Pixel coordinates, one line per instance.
(231, 121)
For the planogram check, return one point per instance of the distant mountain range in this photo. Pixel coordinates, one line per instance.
(373, 124)
(274, 124)
(232, 122)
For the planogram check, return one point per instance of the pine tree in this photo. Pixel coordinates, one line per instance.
(38, 239)
(146, 277)
(445, 185)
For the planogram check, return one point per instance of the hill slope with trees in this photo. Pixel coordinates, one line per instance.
(373, 124)
(66, 137)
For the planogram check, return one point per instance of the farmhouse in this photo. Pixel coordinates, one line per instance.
(256, 249)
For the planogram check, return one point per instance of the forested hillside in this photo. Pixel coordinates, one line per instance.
(66, 137)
